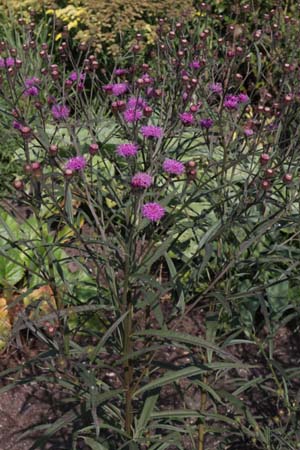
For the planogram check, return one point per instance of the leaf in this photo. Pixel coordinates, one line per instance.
(69, 204)
(175, 414)
(93, 444)
(10, 273)
(145, 416)
(170, 377)
(106, 335)
(187, 339)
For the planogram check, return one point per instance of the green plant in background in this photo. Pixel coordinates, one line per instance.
(163, 231)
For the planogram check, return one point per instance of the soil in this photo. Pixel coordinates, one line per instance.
(33, 404)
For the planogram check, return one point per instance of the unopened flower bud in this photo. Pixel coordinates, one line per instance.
(93, 149)
(265, 185)
(26, 132)
(53, 150)
(287, 178)
(147, 111)
(18, 185)
(264, 158)
(68, 173)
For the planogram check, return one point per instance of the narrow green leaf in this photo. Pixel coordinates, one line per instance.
(170, 377)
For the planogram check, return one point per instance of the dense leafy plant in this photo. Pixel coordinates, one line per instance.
(172, 187)
(107, 26)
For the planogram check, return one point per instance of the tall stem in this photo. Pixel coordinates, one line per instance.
(202, 430)
(128, 378)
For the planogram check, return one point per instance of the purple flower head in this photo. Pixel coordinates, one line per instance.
(216, 88)
(187, 118)
(136, 103)
(74, 76)
(147, 79)
(173, 167)
(185, 96)
(9, 62)
(77, 163)
(132, 115)
(120, 72)
(196, 64)
(60, 112)
(153, 211)
(2, 63)
(119, 88)
(248, 132)
(31, 92)
(243, 98)
(206, 123)
(231, 102)
(108, 88)
(16, 125)
(150, 92)
(141, 180)
(151, 131)
(127, 150)
(33, 81)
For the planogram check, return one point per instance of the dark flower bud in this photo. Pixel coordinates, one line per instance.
(147, 111)
(265, 185)
(269, 173)
(93, 149)
(287, 178)
(53, 150)
(26, 132)
(18, 185)
(264, 158)
(68, 173)
(136, 48)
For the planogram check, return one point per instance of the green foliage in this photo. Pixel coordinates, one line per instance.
(161, 329)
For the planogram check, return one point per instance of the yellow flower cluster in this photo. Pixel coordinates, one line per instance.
(105, 22)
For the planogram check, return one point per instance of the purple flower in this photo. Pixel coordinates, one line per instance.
(32, 91)
(151, 131)
(127, 150)
(153, 211)
(33, 81)
(76, 163)
(196, 64)
(119, 88)
(74, 76)
(150, 92)
(173, 167)
(132, 115)
(147, 79)
(216, 88)
(206, 123)
(108, 88)
(248, 132)
(120, 72)
(231, 102)
(185, 96)
(141, 180)
(243, 98)
(9, 62)
(60, 112)
(136, 103)
(187, 118)
(16, 125)
(2, 63)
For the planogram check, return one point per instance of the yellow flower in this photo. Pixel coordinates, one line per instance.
(50, 11)
(73, 24)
